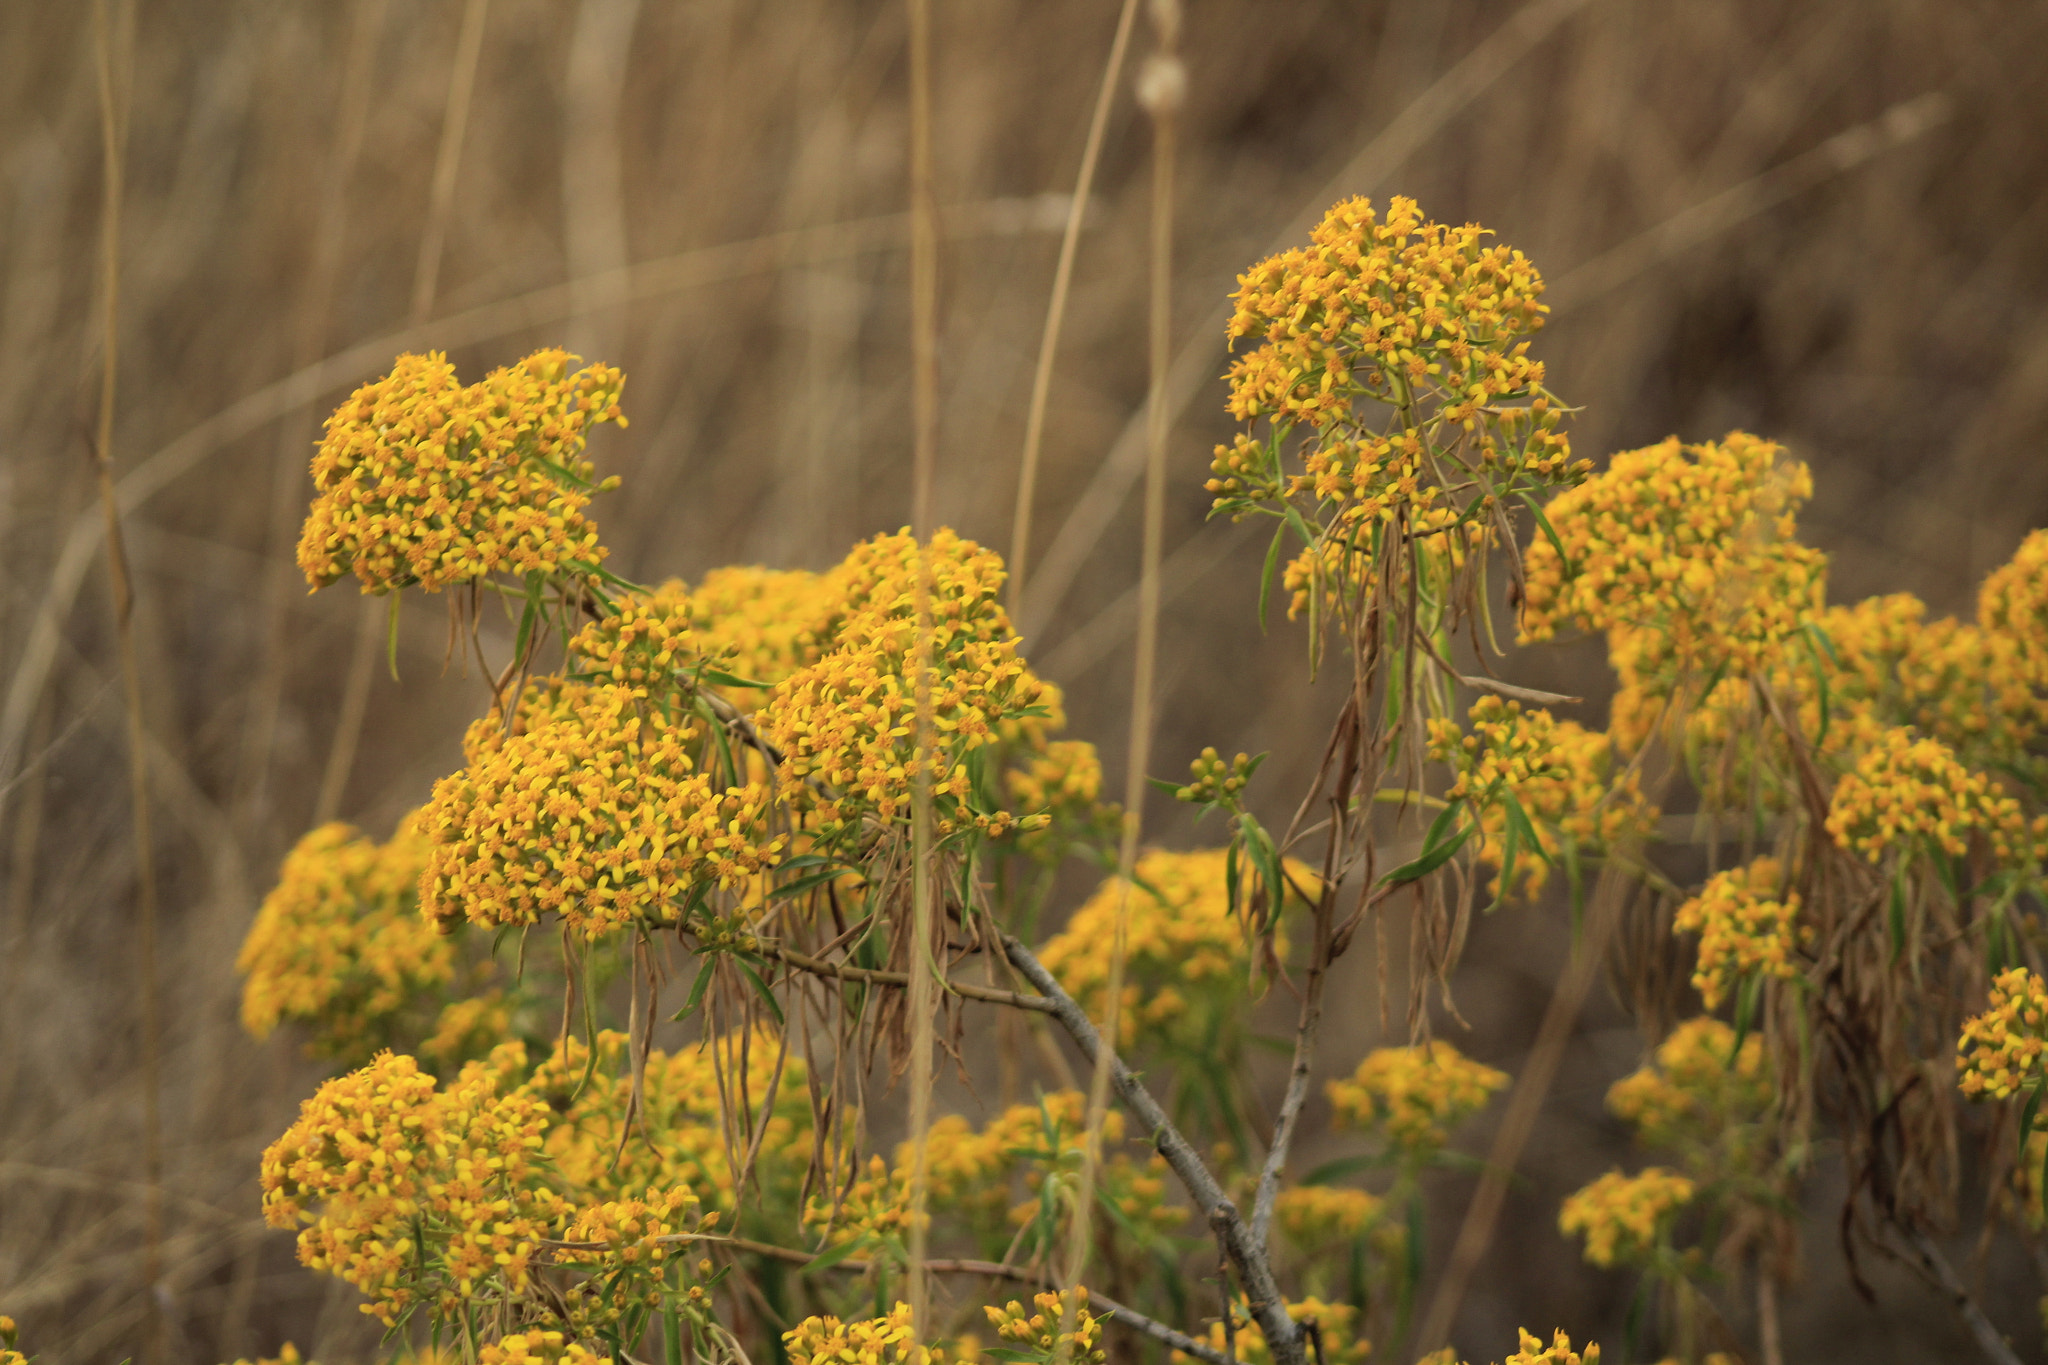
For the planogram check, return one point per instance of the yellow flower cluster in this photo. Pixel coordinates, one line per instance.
(1036, 1333)
(1620, 1216)
(642, 644)
(1335, 1322)
(1698, 1089)
(1386, 312)
(2003, 1049)
(422, 479)
(1908, 788)
(339, 943)
(849, 719)
(1317, 1217)
(470, 1027)
(1414, 1096)
(1505, 747)
(287, 1354)
(1557, 771)
(890, 1340)
(765, 623)
(1186, 960)
(2013, 603)
(409, 1191)
(1558, 1352)
(1685, 556)
(1745, 929)
(10, 1342)
(1062, 781)
(538, 1348)
(591, 808)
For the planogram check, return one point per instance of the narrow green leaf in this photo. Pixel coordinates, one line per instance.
(831, 1256)
(760, 986)
(1266, 575)
(1430, 861)
(391, 636)
(1549, 533)
(697, 989)
(803, 884)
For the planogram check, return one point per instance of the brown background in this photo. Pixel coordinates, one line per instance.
(1746, 219)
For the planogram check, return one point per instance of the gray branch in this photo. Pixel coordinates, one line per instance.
(1246, 1253)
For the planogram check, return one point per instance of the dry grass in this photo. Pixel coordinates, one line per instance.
(1878, 306)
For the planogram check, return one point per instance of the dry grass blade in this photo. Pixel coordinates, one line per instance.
(1056, 310)
(1162, 90)
(924, 364)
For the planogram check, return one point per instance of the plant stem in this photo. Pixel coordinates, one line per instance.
(1248, 1256)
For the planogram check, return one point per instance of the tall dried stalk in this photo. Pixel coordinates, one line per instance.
(1162, 88)
(289, 465)
(362, 664)
(1056, 309)
(113, 50)
(924, 361)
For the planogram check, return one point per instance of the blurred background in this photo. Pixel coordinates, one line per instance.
(1824, 221)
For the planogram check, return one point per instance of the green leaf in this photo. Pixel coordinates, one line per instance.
(1430, 861)
(1268, 859)
(1512, 844)
(722, 678)
(1549, 533)
(391, 636)
(760, 986)
(1266, 575)
(697, 989)
(803, 884)
(831, 1256)
(1230, 885)
(2027, 1113)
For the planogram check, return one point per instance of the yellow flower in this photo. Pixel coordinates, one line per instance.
(1744, 929)
(889, 1340)
(591, 808)
(1558, 1352)
(538, 1348)
(1556, 770)
(1698, 1089)
(848, 720)
(1314, 1217)
(288, 1354)
(1057, 791)
(2003, 1048)
(1414, 1096)
(1622, 1216)
(1685, 556)
(1186, 962)
(2013, 603)
(1060, 1329)
(339, 944)
(423, 480)
(411, 1192)
(1910, 790)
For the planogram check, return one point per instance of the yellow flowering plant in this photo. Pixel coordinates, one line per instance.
(738, 794)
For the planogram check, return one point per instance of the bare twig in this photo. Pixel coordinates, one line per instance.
(965, 989)
(1936, 1267)
(1249, 1258)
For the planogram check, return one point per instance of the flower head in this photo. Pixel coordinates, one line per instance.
(339, 944)
(2005, 1049)
(1745, 928)
(1622, 1217)
(593, 808)
(424, 480)
(1698, 1089)
(1909, 793)
(1414, 1096)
